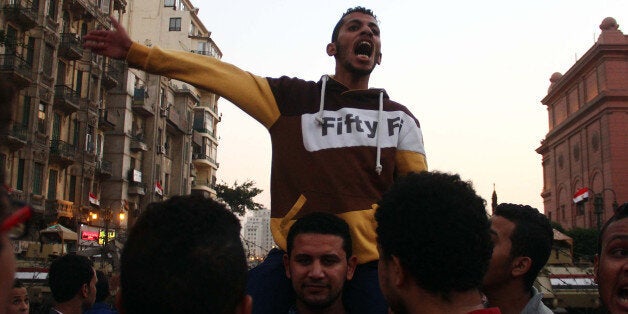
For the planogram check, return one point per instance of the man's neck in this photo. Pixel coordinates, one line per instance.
(509, 298)
(352, 80)
(335, 308)
(68, 308)
(459, 303)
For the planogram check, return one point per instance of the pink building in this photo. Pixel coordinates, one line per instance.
(587, 142)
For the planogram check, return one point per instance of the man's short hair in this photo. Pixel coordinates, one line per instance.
(437, 226)
(321, 223)
(532, 236)
(183, 255)
(68, 274)
(620, 213)
(334, 34)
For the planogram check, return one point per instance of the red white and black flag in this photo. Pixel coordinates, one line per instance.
(581, 195)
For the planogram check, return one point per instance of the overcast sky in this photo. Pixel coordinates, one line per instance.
(472, 72)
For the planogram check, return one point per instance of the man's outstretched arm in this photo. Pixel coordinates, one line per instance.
(109, 43)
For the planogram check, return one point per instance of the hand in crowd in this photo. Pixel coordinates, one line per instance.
(113, 43)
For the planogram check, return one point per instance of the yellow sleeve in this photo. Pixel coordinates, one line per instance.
(249, 92)
(408, 161)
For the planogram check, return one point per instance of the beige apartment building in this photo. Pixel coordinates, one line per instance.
(91, 136)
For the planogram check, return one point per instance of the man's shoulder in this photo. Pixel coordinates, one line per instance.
(490, 310)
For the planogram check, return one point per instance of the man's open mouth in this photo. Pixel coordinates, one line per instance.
(363, 48)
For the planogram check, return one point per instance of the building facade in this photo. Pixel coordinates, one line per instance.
(587, 142)
(258, 239)
(89, 137)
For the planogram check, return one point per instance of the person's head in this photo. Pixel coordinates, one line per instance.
(102, 286)
(522, 239)
(184, 255)
(355, 42)
(611, 262)
(319, 259)
(432, 234)
(72, 277)
(18, 299)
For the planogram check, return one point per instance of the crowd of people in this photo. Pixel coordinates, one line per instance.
(380, 233)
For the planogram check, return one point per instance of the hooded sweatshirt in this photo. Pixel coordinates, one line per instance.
(334, 149)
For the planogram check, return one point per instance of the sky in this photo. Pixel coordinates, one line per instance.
(473, 72)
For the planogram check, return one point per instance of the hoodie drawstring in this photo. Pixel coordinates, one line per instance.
(319, 119)
(378, 164)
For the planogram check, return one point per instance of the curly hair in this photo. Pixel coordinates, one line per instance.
(437, 226)
(321, 223)
(183, 255)
(532, 236)
(336, 31)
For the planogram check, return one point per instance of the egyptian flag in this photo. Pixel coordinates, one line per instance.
(581, 195)
(93, 199)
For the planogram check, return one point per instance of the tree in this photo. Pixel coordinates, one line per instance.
(239, 196)
(584, 243)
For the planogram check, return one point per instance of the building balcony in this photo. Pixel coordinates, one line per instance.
(202, 161)
(104, 169)
(140, 105)
(21, 12)
(60, 208)
(15, 69)
(205, 132)
(66, 99)
(137, 188)
(106, 121)
(84, 8)
(70, 47)
(110, 75)
(204, 185)
(16, 137)
(62, 153)
(192, 171)
(138, 144)
(177, 121)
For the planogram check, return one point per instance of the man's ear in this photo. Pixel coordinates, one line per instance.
(331, 49)
(286, 264)
(520, 266)
(378, 60)
(351, 264)
(245, 306)
(397, 273)
(596, 268)
(85, 290)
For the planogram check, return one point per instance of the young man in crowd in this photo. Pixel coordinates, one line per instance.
(184, 255)
(336, 144)
(611, 262)
(101, 306)
(72, 280)
(522, 239)
(19, 301)
(318, 262)
(435, 245)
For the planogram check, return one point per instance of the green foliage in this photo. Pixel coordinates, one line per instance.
(584, 243)
(557, 226)
(239, 196)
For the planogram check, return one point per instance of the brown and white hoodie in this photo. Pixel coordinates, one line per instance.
(334, 149)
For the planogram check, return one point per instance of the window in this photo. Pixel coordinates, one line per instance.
(169, 3)
(72, 189)
(52, 184)
(52, 9)
(38, 177)
(175, 24)
(48, 59)
(26, 111)
(20, 175)
(41, 118)
(3, 162)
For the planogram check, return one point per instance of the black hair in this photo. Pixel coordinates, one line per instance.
(620, 213)
(18, 284)
(183, 255)
(102, 286)
(334, 34)
(437, 226)
(67, 276)
(321, 223)
(532, 236)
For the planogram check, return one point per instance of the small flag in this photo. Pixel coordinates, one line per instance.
(581, 196)
(158, 189)
(93, 199)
